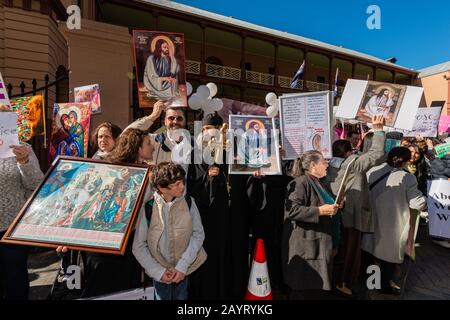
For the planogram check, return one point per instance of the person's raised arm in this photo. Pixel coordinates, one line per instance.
(146, 122)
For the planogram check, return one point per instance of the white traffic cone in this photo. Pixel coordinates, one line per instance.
(259, 282)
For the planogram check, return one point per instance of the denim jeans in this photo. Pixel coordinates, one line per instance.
(171, 291)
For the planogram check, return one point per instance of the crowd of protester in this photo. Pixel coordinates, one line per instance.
(198, 224)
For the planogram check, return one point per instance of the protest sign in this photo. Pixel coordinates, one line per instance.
(442, 149)
(444, 124)
(8, 133)
(4, 99)
(397, 103)
(439, 208)
(305, 123)
(426, 123)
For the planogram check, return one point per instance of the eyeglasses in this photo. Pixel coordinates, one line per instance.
(172, 118)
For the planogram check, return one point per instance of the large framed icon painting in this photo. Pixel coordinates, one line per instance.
(160, 68)
(82, 204)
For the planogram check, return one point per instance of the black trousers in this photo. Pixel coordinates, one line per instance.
(388, 273)
(14, 284)
(106, 273)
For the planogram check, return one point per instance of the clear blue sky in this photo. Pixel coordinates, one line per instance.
(416, 32)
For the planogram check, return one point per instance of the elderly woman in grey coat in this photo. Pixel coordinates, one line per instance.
(393, 191)
(307, 240)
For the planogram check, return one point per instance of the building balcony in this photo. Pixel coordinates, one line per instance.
(260, 78)
(315, 86)
(231, 73)
(285, 82)
(217, 71)
(193, 67)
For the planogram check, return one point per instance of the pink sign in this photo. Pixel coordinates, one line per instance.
(444, 124)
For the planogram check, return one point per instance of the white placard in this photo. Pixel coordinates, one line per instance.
(408, 108)
(305, 120)
(426, 123)
(439, 208)
(8, 133)
(4, 98)
(398, 108)
(351, 98)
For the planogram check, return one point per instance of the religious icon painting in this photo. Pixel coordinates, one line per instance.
(255, 145)
(70, 130)
(30, 116)
(160, 68)
(381, 99)
(82, 204)
(90, 93)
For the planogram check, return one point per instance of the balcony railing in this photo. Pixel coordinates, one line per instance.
(217, 71)
(192, 67)
(315, 86)
(213, 70)
(260, 78)
(285, 82)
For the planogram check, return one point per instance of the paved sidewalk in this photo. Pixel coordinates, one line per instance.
(42, 269)
(429, 276)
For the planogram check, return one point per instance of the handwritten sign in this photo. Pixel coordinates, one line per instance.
(439, 208)
(8, 133)
(426, 122)
(442, 149)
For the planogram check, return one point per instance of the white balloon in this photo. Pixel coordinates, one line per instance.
(212, 89)
(195, 102)
(277, 105)
(188, 88)
(217, 104)
(271, 98)
(271, 111)
(208, 107)
(203, 92)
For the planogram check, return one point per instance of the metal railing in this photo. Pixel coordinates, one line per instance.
(214, 70)
(316, 86)
(285, 82)
(260, 78)
(192, 67)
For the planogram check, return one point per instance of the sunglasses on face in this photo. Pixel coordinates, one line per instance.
(172, 118)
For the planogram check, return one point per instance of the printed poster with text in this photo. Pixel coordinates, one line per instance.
(305, 124)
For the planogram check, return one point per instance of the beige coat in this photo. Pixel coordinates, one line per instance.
(390, 200)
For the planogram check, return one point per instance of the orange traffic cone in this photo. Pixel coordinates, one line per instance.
(259, 282)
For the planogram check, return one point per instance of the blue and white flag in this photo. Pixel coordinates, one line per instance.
(335, 91)
(298, 75)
